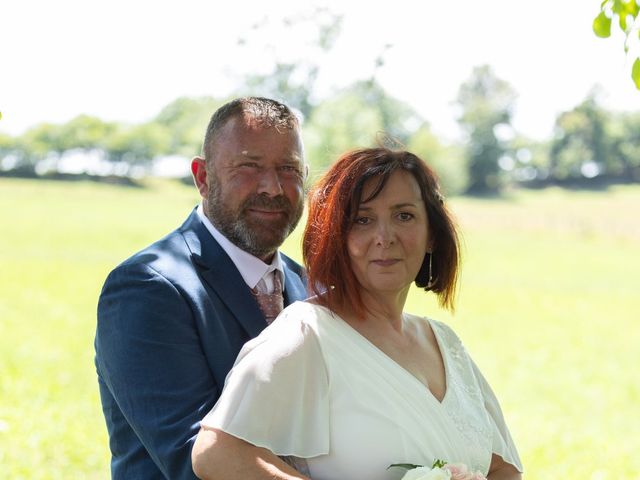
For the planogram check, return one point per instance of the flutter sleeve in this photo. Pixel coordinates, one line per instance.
(502, 442)
(276, 395)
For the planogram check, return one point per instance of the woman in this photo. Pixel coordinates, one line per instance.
(346, 383)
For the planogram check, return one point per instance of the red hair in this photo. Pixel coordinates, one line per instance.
(333, 203)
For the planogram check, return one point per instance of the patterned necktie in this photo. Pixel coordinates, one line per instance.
(271, 304)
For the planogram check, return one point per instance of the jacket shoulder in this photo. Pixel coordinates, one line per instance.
(293, 265)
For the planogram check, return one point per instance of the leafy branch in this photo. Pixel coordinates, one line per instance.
(626, 13)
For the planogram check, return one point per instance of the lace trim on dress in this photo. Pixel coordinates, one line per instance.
(465, 391)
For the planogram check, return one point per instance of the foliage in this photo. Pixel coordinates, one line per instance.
(293, 80)
(178, 129)
(626, 13)
(138, 144)
(360, 115)
(448, 161)
(185, 122)
(36, 144)
(624, 151)
(579, 147)
(85, 132)
(539, 268)
(527, 161)
(7, 144)
(486, 103)
(590, 141)
(343, 123)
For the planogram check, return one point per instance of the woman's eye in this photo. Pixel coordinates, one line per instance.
(405, 216)
(362, 220)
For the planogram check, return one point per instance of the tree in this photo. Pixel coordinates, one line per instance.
(580, 145)
(138, 144)
(293, 80)
(37, 144)
(8, 152)
(626, 12)
(358, 116)
(448, 161)
(486, 103)
(528, 160)
(85, 132)
(185, 120)
(625, 146)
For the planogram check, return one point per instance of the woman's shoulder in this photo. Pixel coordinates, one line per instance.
(293, 327)
(305, 312)
(292, 334)
(440, 329)
(308, 306)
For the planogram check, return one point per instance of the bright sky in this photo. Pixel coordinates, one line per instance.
(125, 59)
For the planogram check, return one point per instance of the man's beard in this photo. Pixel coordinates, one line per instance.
(259, 238)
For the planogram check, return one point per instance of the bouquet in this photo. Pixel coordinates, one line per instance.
(439, 471)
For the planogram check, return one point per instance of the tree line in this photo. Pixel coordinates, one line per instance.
(589, 144)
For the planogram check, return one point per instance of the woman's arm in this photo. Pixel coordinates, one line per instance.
(501, 470)
(217, 455)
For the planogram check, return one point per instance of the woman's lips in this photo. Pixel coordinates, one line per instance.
(386, 262)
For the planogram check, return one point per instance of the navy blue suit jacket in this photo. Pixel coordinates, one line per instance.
(171, 321)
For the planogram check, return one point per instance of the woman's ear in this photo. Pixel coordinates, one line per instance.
(430, 244)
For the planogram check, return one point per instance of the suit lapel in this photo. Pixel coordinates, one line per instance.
(222, 276)
(294, 289)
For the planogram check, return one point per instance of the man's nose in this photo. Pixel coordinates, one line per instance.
(269, 182)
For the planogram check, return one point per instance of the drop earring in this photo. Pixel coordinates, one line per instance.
(430, 274)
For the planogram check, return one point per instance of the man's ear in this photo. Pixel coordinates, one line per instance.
(199, 172)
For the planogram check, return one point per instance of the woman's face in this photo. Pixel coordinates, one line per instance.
(390, 235)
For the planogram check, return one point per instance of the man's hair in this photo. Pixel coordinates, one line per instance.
(333, 205)
(258, 111)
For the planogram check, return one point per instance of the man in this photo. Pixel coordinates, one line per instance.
(172, 318)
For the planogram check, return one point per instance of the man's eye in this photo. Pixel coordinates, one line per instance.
(249, 165)
(362, 220)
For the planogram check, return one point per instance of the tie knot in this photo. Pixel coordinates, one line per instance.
(271, 304)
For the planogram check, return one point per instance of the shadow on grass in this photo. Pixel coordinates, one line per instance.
(71, 177)
(600, 183)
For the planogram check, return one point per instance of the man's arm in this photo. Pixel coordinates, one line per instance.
(220, 456)
(149, 356)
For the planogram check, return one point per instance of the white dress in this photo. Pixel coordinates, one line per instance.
(311, 387)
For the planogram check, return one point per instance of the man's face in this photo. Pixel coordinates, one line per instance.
(255, 185)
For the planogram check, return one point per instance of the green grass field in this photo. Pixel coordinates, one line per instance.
(548, 307)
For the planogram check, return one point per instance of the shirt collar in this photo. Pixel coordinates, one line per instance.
(251, 268)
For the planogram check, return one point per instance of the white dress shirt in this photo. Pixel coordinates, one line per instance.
(254, 271)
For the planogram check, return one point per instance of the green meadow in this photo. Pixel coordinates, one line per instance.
(548, 306)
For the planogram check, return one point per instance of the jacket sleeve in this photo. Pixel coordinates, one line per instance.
(150, 362)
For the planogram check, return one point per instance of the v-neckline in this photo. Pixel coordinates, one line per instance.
(399, 367)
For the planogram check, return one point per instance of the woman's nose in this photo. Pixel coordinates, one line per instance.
(385, 235)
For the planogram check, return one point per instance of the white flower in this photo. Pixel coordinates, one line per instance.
(426, 473)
